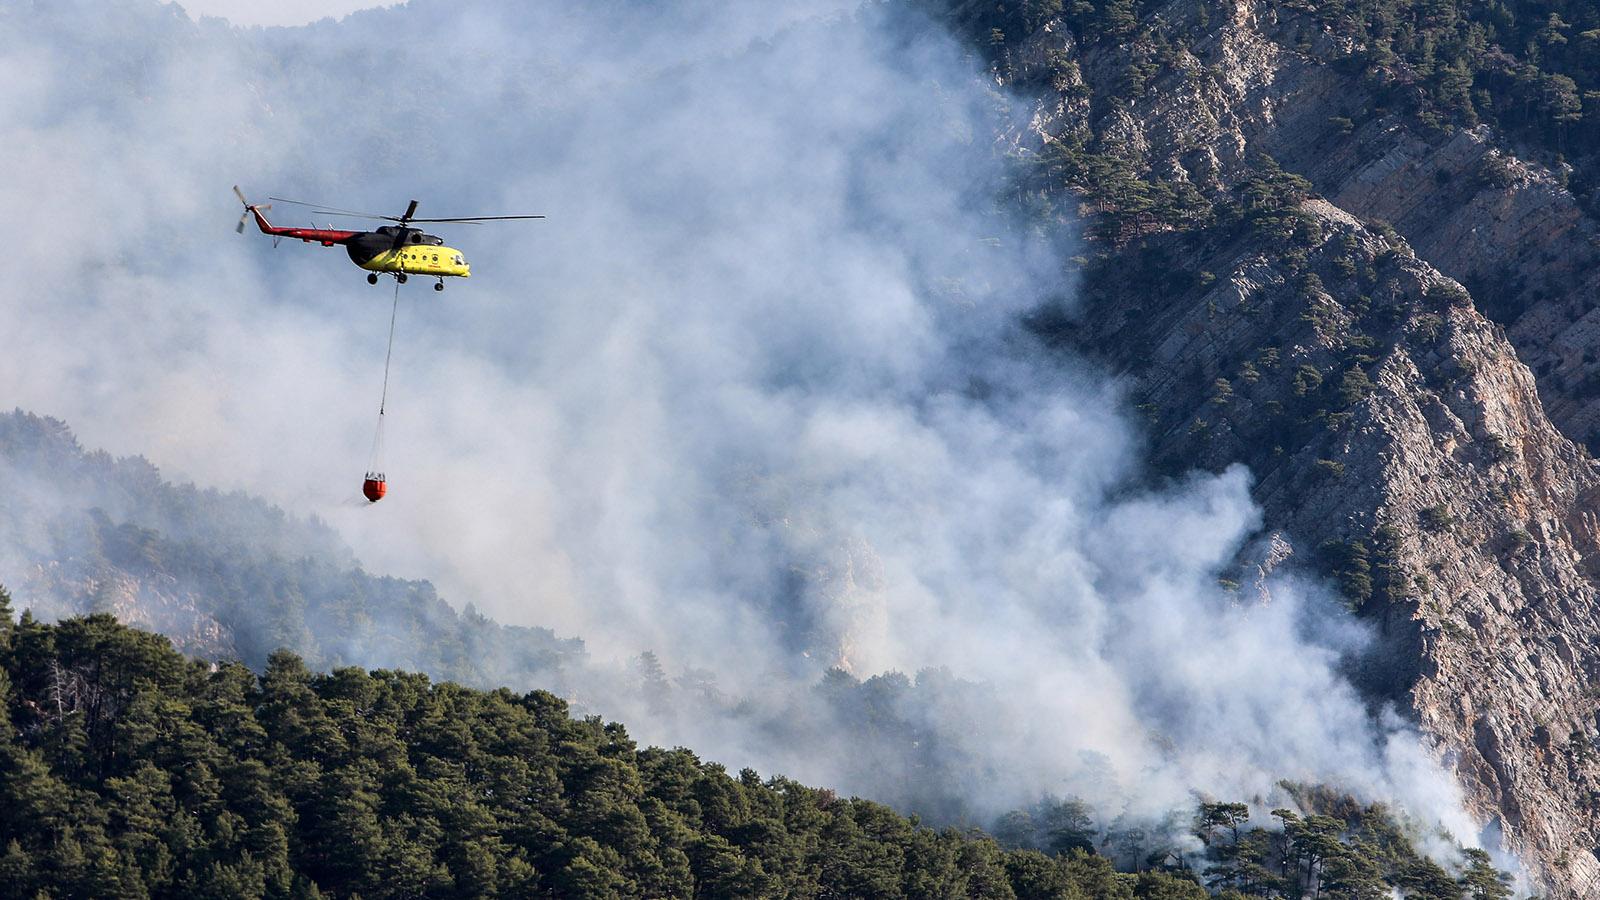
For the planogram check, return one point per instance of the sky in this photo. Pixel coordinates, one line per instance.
(754, 397)
(276, 12)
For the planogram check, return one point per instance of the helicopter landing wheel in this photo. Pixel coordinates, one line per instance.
(440, 285)
(372, 278)
(400, 277)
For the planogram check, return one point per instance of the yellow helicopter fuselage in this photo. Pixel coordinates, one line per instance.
(420, 259)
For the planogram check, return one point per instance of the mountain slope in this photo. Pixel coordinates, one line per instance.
(129, 770)
(1397, 441)
(1399, 436)
(226, 575)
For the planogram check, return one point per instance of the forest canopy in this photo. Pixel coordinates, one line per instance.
(128, 770)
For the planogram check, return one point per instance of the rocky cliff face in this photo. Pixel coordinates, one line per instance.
(1264, 78)
(1399, 435)
(58, 589)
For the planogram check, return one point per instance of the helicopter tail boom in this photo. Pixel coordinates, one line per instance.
(327, 237)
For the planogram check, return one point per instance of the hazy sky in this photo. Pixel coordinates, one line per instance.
(277, 12)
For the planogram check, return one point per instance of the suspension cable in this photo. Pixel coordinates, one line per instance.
(375, 466)
(389, 354)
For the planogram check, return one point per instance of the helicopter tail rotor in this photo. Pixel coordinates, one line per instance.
(249, 209)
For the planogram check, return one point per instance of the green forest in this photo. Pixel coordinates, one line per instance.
(129, 770)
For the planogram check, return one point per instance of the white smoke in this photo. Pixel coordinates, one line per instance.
(754, 397)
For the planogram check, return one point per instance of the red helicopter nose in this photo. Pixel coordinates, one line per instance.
(374, 488)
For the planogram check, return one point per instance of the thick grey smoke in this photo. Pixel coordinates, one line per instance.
(754, 397)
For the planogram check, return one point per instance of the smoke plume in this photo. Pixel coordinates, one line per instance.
(755, 397)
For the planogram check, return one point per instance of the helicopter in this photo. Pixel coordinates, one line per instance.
(399, 250)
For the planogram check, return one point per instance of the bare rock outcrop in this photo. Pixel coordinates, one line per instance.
(1396, 436)
(1428, 456)
(58, 589)
(1257, 77)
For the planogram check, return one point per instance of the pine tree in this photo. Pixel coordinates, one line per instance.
(1481, 880)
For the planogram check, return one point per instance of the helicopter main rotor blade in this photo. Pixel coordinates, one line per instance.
(476, 220)
(411, 209)
(330, 210)
(352, 215)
